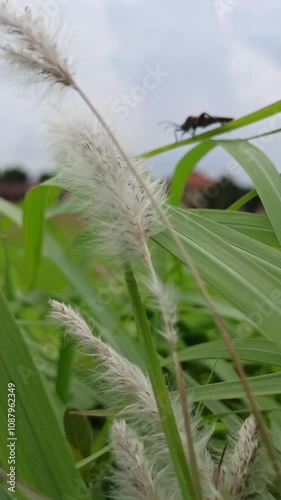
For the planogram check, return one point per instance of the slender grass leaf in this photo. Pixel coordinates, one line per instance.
(254, 117)
(241, 280)
(254, 225)
(264, 175)
(91, 458)
(264, 134)
(11, 211)
(260, 386)
(184, 168)
(267, 257)
(254, 350)
(35, 204)
(105, 412)
(243, 200)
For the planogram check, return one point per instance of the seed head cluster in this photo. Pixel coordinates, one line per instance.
(143, 464)
(104, 191)
(29, 49)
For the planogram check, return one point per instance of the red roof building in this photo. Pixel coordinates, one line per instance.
(15, 191)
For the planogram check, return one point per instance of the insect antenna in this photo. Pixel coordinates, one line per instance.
(169, 125)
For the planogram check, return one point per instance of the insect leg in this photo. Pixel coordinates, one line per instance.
(176, 134)
(194, 127)
(183, 132)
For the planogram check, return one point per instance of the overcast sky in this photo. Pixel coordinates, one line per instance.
(145, 61)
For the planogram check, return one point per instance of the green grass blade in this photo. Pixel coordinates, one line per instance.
(264, 175)
(264, 134)
(244, 199)
(184, 168)
(65, 369)
(35, 205)
(267, 257)
(27, 492)
(93, 457)
(261, 386)
(253, 350)
(254, 117)
(255, 226)
(252, 289)
(43, 459)
(11, 211)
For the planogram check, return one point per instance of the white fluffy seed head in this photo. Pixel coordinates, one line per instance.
(245, 473)
(126, 385)
(124, 382)
(244, 457)
(135, 475)
(29, 49)
(105, 192)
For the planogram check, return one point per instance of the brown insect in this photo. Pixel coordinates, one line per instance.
(193, 122)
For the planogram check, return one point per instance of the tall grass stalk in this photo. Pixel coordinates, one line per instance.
(65, 369)
(164, 303)
(159, 387)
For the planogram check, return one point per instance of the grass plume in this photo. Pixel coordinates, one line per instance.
(30, 49)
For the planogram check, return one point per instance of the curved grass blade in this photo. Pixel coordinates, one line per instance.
(243, 200)
(241, 280)
(263, 385)
(264, 175)
(11, 211)
(265, 134)
(253, 350)
(184, 168)
(255, 226)
(91, 458)
(35, 205)
(254, 117)
(267, 257)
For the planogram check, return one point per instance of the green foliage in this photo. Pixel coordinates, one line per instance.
(43, 460)
(15, 174)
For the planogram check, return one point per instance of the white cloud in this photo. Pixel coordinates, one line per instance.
(258, 80)
(211, 66)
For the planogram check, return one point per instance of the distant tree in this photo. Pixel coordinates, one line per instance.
(13, 175)
(44, 177)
